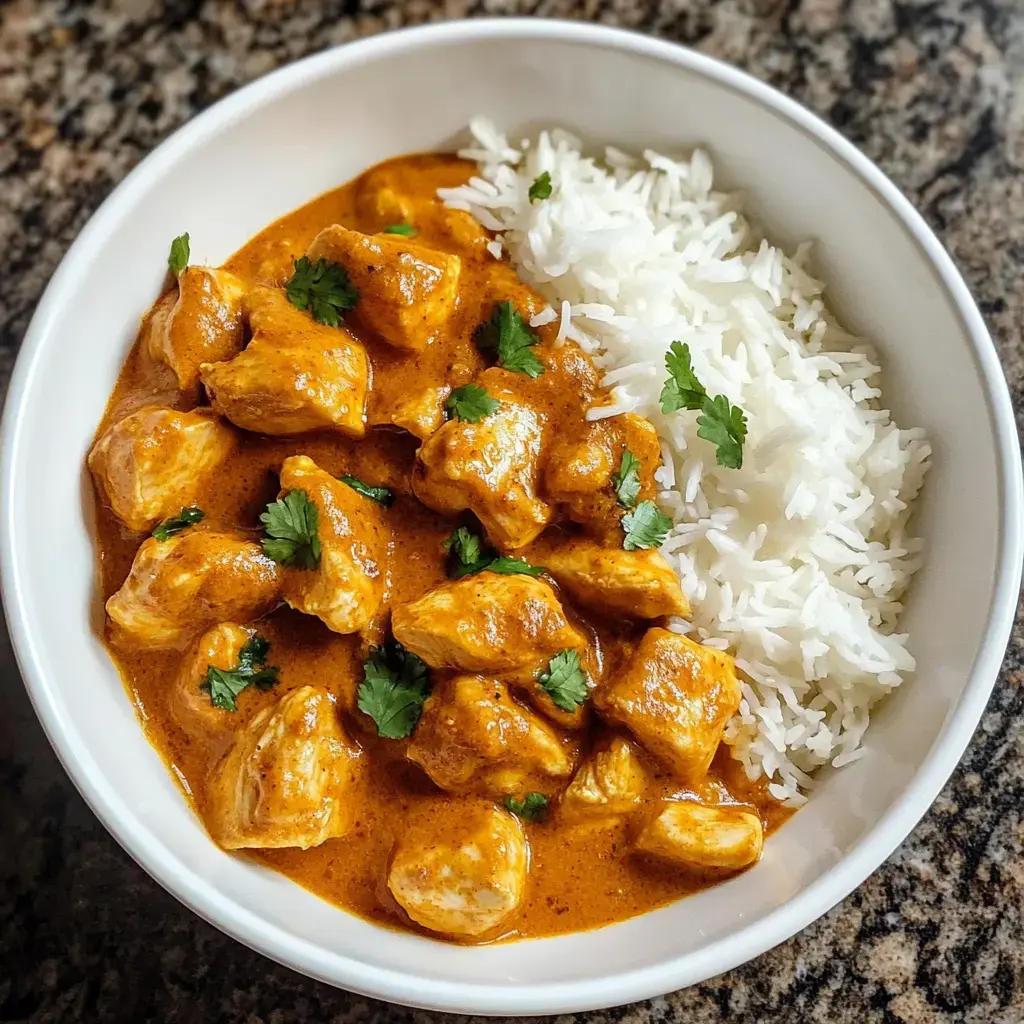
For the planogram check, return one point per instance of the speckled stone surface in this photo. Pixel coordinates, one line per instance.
(933, 90)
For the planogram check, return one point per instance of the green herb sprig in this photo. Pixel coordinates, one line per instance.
(182, 521)
(323, 288)
(467, 556)
(395, 686)
(724, 425)
(224, 685)
(507, 334)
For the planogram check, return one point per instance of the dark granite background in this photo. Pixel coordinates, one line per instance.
(933, 90)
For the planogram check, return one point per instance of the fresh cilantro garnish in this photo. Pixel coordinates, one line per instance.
(505, 566)
(464, 547)
(541, 187)
(723, 425)
(565, 681)
(324, 290)
(533, 807)
(381, 495)
(177, 258)
(185, 518)
(292, 532)
(224, 685)
(645, 527)
(468, 556)
(471, 403)
(626, 479)
(506, 334)
(395, 684)
(682, 390)
(400, 229)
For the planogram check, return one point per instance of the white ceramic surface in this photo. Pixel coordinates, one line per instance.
(263, 151)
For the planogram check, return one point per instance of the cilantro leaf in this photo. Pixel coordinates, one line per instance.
(471, 403)
(506, 566)
(565, 681)
(724, 426)
(468, 556)
(182, 521)
(533, 807)
(224, 685)
(395, 684)
(682, 390)
(324, 290)
(645, 527)
(177, 258)
(382, 495)
(291, 524)
(541, 187)
(506, 334)
(400, 229)
(626, 479)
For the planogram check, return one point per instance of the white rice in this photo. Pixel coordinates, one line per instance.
(797, 562)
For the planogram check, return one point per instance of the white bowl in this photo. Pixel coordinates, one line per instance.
(272, 146)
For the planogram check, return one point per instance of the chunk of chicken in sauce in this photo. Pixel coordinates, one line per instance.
(675, 696)
(290, 778)
(722, 838)
(201, 321)
(218, 647)
(486, 623)
(608, 784)
(463, 873)
(638, 584)
(421, 412)
(579, 471)
(155, 461)
(474, 738)
(408, 292)
(346, 589)
(295, 375)
(490, 467)
(382, 205)
(181, 586)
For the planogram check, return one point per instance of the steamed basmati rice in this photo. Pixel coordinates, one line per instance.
(797, 562)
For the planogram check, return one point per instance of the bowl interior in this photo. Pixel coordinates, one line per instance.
(279, 143)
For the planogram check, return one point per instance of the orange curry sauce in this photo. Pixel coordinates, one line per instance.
(580, 876)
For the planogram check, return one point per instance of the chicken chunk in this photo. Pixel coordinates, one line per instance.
(725, 837)
(461, 874)
(347, 588)
(407, 291)
(473, 737)
(379, 206)
(675, 696)
(579, 471)
(219, 647)
(609, 783)
(296, 375)
(490, 467)
(201, 323)
(151, 463)
(181, 586)
(421, 412)
(638, 584)
(289, 779)
(486, 623)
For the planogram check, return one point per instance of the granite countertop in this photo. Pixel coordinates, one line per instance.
(933, 90)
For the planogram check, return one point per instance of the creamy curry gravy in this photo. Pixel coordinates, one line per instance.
(580, 877)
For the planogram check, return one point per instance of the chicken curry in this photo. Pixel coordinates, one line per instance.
(389, 604)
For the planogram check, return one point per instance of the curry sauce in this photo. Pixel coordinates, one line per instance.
(581, 875)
